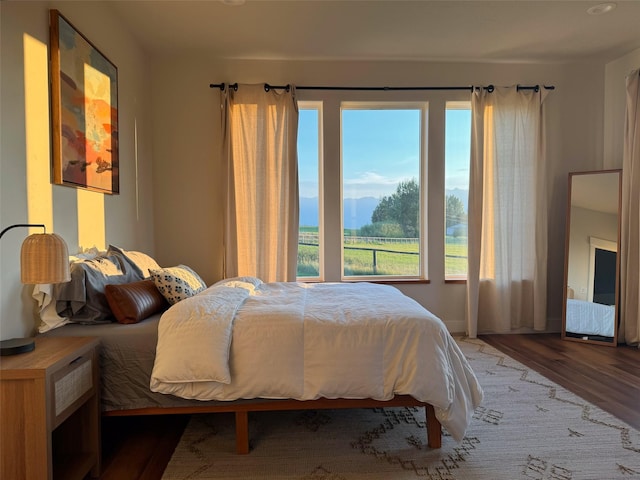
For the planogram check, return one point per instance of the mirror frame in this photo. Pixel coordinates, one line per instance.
(614, 343)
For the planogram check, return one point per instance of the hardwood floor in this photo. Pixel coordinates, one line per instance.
(605, 376)
(139, 448)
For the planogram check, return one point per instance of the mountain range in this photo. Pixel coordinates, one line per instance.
(357, 211)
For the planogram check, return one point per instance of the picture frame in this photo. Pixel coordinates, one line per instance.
(84, 108)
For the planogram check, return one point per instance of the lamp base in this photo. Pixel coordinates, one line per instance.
(14, 346)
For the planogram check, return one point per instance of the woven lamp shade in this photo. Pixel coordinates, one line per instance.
(44, 258)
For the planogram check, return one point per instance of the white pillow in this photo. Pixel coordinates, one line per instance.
(141, 262)
(177, 283)
(252, 280)
(86, 254)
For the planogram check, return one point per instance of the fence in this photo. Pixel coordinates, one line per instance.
(311, 239)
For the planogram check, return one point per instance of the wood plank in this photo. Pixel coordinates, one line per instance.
(139, 448)
(434, 434)
(434, 429)
(242, 433)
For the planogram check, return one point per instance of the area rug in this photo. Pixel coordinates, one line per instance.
(526, 428)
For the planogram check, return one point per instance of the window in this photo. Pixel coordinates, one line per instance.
(366, 218)
(309, 179)
(457, 161)
(382, 158)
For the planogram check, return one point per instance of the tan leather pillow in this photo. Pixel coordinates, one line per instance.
(133, 302)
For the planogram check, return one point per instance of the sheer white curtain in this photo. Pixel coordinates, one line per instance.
(260, 149)
(630, 234)
(507, 271)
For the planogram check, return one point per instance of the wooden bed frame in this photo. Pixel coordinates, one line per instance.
(434, 430)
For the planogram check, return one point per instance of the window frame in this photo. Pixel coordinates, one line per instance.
(454, 105)
(433, 225)
(423, 107)
(318, 106)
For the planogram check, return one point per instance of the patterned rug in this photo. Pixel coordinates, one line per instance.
(527, 428)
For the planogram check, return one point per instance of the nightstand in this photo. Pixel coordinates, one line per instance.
(50, 411)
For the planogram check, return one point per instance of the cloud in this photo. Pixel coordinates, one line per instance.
(308, 188)
(457, 179)
(370, 184)
(371, 178)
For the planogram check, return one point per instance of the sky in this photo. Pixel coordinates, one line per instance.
(381, 148)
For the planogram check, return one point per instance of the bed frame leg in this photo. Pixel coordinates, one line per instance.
(242, 433)
(434, 429)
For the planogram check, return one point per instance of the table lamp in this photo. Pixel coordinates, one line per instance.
(44, 258)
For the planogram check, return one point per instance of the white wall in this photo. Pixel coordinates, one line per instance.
(187, 148)
(584, 225)
(125, 219)
(615, 105)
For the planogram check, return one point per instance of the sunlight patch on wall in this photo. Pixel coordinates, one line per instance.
(91, 221)
(37, 127)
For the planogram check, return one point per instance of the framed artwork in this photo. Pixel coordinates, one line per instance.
(84, 106)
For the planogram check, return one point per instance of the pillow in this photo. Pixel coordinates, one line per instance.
(248, 283)
(177, 283)
(44, 294)
(256, 282)
(86, 254)
(140, 262)
(82, 300)
(135, 301)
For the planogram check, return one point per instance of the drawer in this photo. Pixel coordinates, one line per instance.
(71, 385)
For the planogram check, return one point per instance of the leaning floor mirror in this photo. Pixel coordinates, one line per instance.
(592, 263)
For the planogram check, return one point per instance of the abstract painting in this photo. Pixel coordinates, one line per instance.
(84, 100)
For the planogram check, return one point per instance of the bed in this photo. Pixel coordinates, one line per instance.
(244, 346)
(589, 318)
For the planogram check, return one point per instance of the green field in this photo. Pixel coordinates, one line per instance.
(359, 258)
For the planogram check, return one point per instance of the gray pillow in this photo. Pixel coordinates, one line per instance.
(83, 300)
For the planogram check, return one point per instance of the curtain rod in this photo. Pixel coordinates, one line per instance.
(489, 88)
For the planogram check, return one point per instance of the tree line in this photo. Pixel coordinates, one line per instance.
(397, 215)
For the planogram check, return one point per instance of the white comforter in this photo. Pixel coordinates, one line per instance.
(589, 318)
(242, 339)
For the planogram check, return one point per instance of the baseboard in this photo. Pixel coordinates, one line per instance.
(459, 327)
(456, 327)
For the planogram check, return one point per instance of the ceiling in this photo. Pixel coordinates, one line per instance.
(597, 191)
(420, 30)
